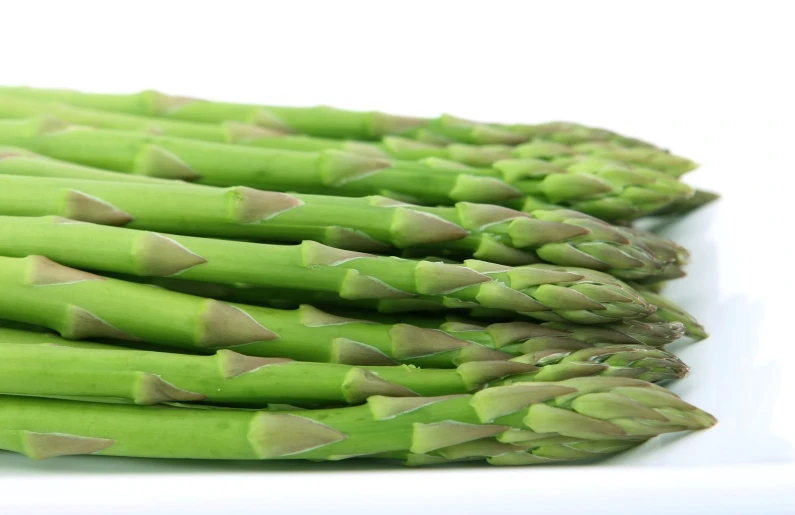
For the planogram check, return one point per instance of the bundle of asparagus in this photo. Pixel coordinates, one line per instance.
(314, 283)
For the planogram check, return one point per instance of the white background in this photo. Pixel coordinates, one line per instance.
(711, 80)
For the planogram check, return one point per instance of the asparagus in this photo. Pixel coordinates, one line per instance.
(220, 164)
(229, 378)
(21, 336)
(511, 333)
(521, 337)
(487, 155)
(324, 121)
(576, 410)
(669, 311)
(606, 189)
(17, 161)
(14, 106)
(80, 305)
(682, 207)
(312, 267)
(602, 188)
(487, 232)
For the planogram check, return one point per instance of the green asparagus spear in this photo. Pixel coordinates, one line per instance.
(606, 189)
(584, 410)
(21, 336)
(682, 207)
(143, 377)
(647, 157)
(15, 106)
(81, 305)
(523, 337)
(325, 121)
(487, 155)
(17, 161)
(669, 311)
(602, 188)
(219, 164)
(487, 232)
(314, 268)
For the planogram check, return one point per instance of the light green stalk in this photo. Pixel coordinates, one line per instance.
(22, 336)
(219, 164)
(669, 311)
(487, 155)
(522, 337)
(487, 232)
(605, 188)
(553, 152)
(685, 206)
(508, 335)
(528, 415)
(79, 305)
(326, 121)
(336, 275)
(18, 161)
(144, 377)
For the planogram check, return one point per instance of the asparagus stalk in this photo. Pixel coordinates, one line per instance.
(584, 409)
(220, 164)
(613, 195)
(18, 161)
(325, 121)
(555, 153)
(144, 377)
(508, 334)
(487, 232)
(315, 268)
(606, 189)
(602, 188)
(14, 106)
(21, 336)
(669, 311)
(522, 337)
(80, 305)
(682, 207)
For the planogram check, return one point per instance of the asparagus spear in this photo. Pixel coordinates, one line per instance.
(603, 188)
(313, 267)
(552, 152)
(682, 207)
(325, 121)
(220, 164)
(81, 305)
(144, 377)
(606, 189)
(609, 194)
(583, 409)
(15, 106)
(487, 232)
(21, 336)
(522, 337)
(18, 161)
(669, 311)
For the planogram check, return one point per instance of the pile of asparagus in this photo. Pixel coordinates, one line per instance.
(233, 281)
